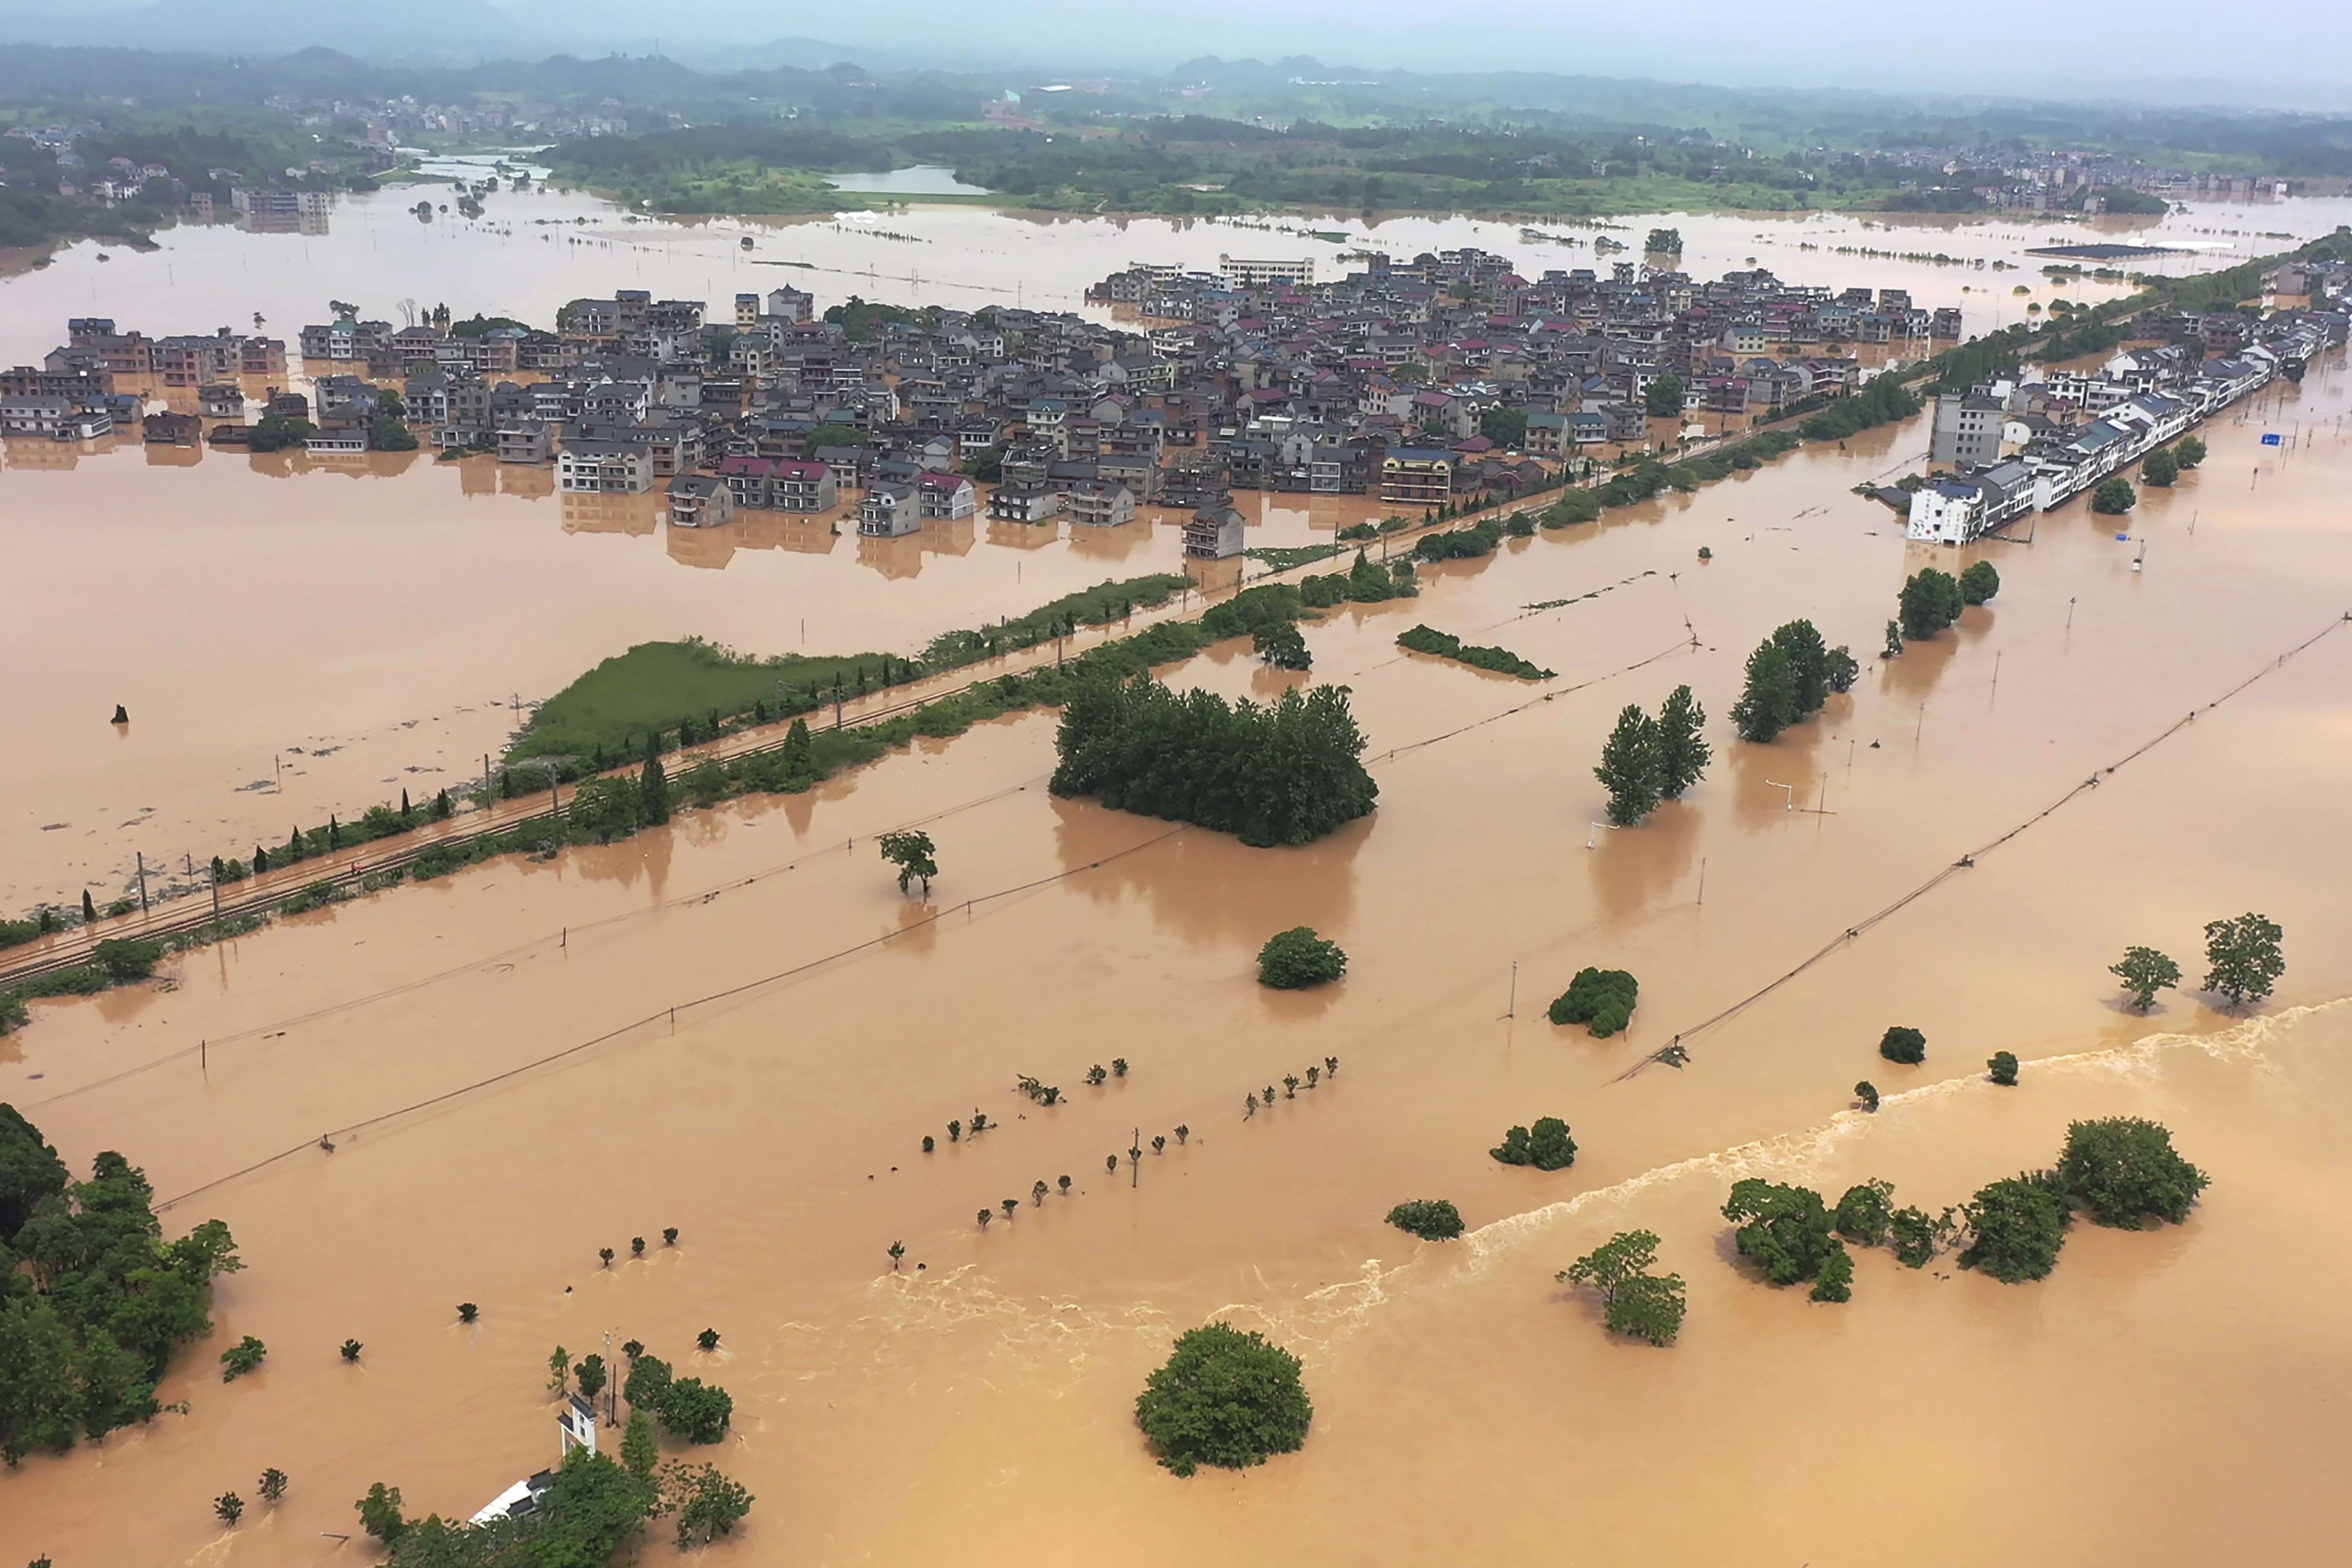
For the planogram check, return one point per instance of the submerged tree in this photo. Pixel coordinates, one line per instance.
(2114, 498)
(2122, 1170)
(2002, 1066)
(1930, 601)
(911, 852)
(1767, 703)
(1903, 1045)
(1296, 959)
(2016, 1228)
(1282, 646)
(2243, 958)
(1682, 751)
(1979, 583)
(1865, 1212)
(1634, 1302)
(1286, 772)
(1784, 1229)
(1547, 1146)
(1225, 1398)
(1835, 1281)
(1432, 1219)
(1631, 767)
(1602, 999)
(2145, 971)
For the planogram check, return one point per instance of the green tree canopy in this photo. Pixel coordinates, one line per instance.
(2121, 1170)
(2016, 1228)
(1634, 1302)
(1282, 646)
(2145, 971)
(1287, 773)
(2243, 958)
(1768, 704)
(1225, 1398)
(1632, 766)
(1682, 751)
(1663, 398)
(2188, 451)
(2114, 498)
(1785, 1230)
(1835, 1281)
(1930, 601)
(1296, 959)
(93, 1302)
(1602, 999)
(2160, 467)
(1903, 1045)
(832, 435)
(1979, 583)
(1506, 427)
(1432, 1219)
(1865, 1212)
(912, 852)
(1547, 1146)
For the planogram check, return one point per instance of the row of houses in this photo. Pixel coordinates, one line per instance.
(2010, 457)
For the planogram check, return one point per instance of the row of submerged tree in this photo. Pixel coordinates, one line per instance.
(2244, 958)
(2121, 1172)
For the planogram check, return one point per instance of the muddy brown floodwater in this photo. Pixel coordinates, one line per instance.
(2169, 1396)
(295, 639)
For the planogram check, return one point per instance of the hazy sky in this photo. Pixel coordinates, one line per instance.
(1992, 45)
(2167, 50)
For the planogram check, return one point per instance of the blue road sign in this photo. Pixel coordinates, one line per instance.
(2272, 439)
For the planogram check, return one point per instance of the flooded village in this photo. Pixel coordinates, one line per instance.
(926, 1171)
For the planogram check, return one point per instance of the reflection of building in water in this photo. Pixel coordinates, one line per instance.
(587, 514)
(708, 548)
(38, 453)
(782, 530)
(902, 556)
(271, 209)
(530, 484)
(1022, 535)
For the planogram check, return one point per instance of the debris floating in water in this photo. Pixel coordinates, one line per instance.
(121, 714)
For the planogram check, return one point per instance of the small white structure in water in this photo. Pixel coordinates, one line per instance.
(577, 1423)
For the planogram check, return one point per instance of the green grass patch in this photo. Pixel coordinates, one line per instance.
(655, 684)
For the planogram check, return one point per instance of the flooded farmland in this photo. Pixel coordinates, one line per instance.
(738, 1027)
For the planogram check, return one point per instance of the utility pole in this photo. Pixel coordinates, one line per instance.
(1702, 879)
(1135, 1158)
(1513, 1011)
(143, 882)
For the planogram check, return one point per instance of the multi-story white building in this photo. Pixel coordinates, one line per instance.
(605, 467)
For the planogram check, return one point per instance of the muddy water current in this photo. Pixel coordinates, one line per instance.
(738, 1028)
